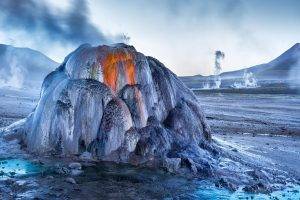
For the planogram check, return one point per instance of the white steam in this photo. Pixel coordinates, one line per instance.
(219, 56)
(249, 81)
(206, 86)
(15, 77)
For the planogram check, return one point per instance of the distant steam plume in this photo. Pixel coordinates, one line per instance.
(248, 81)
(70, 26)
(15, 77)
(219, 55)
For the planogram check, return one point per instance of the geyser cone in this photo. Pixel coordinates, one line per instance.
(114, 104)
(120, 106)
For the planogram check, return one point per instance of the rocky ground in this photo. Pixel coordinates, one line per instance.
(16, 104)
(282, 152)
(265, 114)
(249, 124)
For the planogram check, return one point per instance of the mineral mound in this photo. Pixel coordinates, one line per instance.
(118, 105)
(112, 103)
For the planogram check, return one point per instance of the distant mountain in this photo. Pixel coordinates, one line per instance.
(23, 67)
(285, 68)
(279, 68)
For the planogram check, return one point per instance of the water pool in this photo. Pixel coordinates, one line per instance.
(18, 167)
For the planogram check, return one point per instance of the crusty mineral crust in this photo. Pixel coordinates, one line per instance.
(117, 104)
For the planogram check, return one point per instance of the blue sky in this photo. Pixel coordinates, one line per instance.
(182, 34)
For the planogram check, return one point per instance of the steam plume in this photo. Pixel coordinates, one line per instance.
(249, 81)
(15, 78)
(219, 55)
(34, 16)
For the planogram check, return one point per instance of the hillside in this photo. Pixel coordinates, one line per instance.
(23, 67)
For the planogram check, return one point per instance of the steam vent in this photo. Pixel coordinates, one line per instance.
(121, 106)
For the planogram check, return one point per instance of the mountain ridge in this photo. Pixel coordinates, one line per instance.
(285, 67)
(22, 67)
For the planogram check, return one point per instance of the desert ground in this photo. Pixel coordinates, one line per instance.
(264, 114)
(266, 126)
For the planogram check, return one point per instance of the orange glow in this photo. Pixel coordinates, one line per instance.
(110, 66)
(138, 96)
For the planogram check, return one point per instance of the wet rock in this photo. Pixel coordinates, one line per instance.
(86, 156)
(260, 175)
(76, 172)
(172, 164)
(224, 183)
(70, 180)
(185, 123)
(58, 169)
(154, 142)
(75, 165)
(256, 188)
(189, 164)
(12, 174)
(38, 162)
(50, 177)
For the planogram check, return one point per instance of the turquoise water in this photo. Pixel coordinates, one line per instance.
(157, 185)
(152, 184)
(210, 192)
(18, 167)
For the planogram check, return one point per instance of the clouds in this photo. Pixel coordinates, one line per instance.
(182, 34)
(66, 26)
(185, 34)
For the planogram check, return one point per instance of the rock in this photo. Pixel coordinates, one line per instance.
(185, 123)
(115, 122)
(76, 172)
(58, 169)
(260, 175)
(50, 177)
(172, 164)
(132, 96)
(75, 165)
(154, 142)
(224, 183)
(12, 174)
(256, 188)
(131, 138)
(70, 180)
(86, 156)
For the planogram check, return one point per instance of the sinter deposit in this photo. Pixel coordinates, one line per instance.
(119, 105)
(115, 104)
